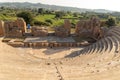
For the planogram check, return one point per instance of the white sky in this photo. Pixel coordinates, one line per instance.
(90, 4)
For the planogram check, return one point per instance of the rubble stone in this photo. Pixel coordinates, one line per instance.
(63, 31)
(89, 28)
(39, 31)
(15, 28)
(1, 28)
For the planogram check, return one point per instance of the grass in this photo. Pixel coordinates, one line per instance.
(44, 17)
(3, 17)
(51, 17)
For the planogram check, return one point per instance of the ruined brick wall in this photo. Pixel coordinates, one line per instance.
(11, 30)
(63, 31)
(39, 31)
(2, 28)
(67, 25)
(21, 24)
(90, 28)
(15, 28)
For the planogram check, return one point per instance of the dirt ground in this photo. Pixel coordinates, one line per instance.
(50, 53)
(33, 64)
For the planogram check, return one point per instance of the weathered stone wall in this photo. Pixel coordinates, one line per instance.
(67, 25)
(2, 28)
(63, 31)
(21, 24)
(15, 28)
(89, 28)
(39, 31)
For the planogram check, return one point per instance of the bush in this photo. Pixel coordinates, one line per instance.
(27, 16)
(49, 21)
(110, 22)
(59, 14)
(39, 23)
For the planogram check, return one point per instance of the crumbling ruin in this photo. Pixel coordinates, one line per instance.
(63, 31)
(85, 28)
(1, 28)
(89, 28)
(15, 28)
(39, 31)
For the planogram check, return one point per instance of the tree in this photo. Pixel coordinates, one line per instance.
(41, 10)
(49, 21)
(40, 23)
(27, 16)
(60, 14)
(110, 22)
(75, 14)
(2, 7)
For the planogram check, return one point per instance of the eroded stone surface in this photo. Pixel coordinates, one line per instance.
(1, 28)
(63, 31)
(15, 28)
(39, 31)
(90, 28)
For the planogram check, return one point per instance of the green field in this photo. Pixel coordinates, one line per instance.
(52, 18)
(6, 17)
(49, 17)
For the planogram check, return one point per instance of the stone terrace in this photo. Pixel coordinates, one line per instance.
(49, 39)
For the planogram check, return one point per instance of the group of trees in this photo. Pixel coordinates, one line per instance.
(29, 15)
(110, 22)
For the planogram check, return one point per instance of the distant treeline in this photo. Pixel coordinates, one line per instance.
(47, 17)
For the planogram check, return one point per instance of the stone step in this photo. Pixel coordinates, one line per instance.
(118, 38)
(104, 48)
(108, 42)
(110, 30)
(101, 46)
(116, 32)
(104, 45)
(94, 53)
(111, 43)
(111, 53)
(112, 47)
(116, 43)
(97, 47)
(118, 28)
(116, 35)
(86, 50)
(89, 49)
(83, 58)
(114, 28)
(92, 48)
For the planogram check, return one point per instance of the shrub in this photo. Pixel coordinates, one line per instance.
(39, 23)
(27, 16)
(110, 22)
(49, 21)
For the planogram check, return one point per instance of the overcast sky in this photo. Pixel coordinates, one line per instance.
(90, 4)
